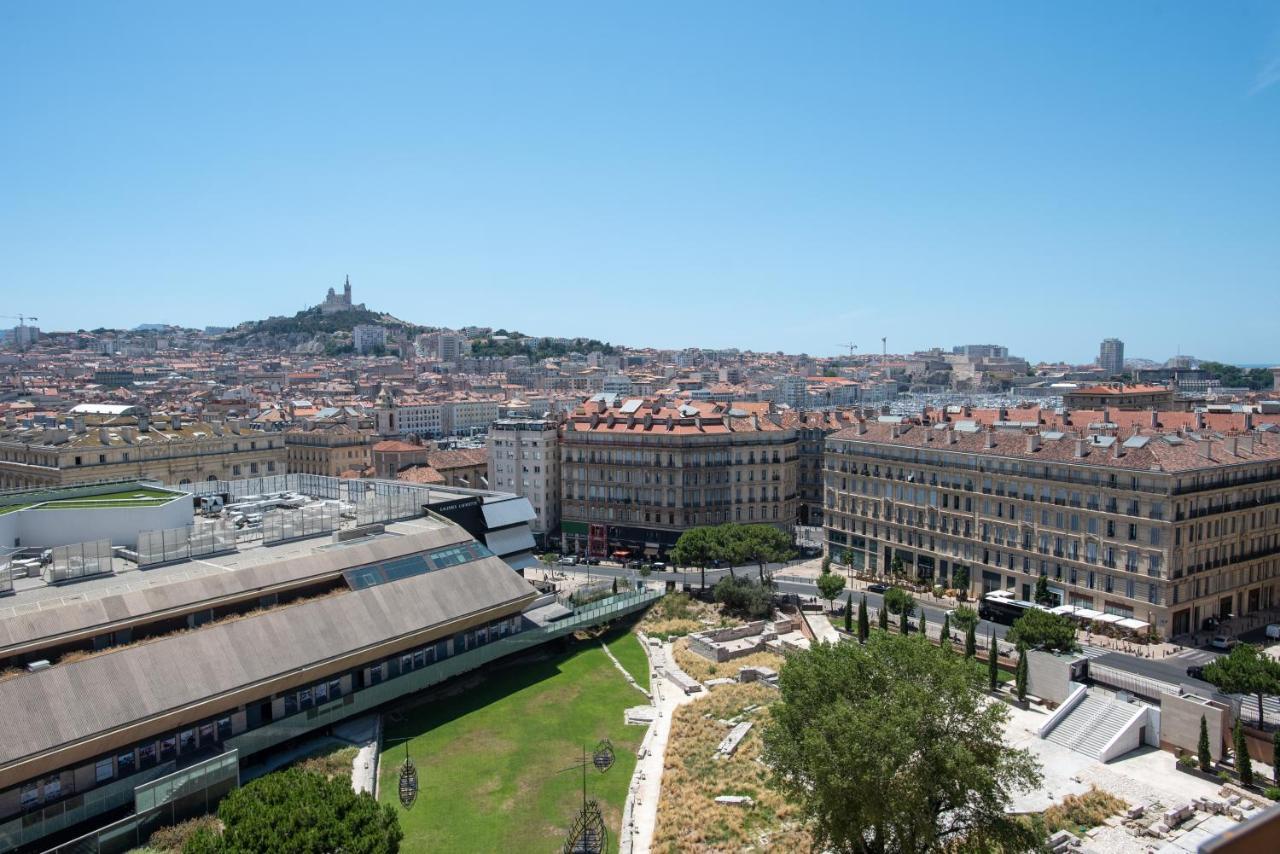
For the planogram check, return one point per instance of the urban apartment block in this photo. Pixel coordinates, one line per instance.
(1170, 518)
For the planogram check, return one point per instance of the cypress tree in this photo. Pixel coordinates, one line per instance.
(903, 625)
(1202, 750)
(848, 614)
(884, 618)
(993, 664)
(1275, 756)
(945, 637)
(1020, 675)
(1244, 767)
(924, 625)
(864, 622)
(970, 643)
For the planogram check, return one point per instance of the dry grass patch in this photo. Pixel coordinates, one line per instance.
(689, 819)
(677, 614)
(335, 763)
(1078, 813)
(703, 669)
(174, 838)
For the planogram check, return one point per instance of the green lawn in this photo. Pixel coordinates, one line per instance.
(626, 647)
(488, 757)
(140, 497)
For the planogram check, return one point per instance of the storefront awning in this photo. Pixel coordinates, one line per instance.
(1133, 625)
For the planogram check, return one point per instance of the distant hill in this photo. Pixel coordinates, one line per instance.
(312, 322)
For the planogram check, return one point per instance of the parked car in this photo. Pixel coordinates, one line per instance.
(633, 564)
(657, 566)
(1273, 631)
(568, 560)
(1196, 671)
(877, 587)
(1222, 642)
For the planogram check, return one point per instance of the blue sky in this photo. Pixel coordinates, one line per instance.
(787, 176)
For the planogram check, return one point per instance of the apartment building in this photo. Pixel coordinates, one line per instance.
(635, 475)
(812, 429)
(113, 442)
(524, 458)
(1120, 396)
(1170, 525)
(329, 450)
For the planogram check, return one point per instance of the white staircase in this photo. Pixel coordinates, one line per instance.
(1092, 724)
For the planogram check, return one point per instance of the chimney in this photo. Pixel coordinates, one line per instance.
(1199, 419)
(1206, 448)
(10, 419)
(609, 420)
(1033, 442)
(951, 435)
(79, 424)
(1118, 448)
(1106, 415)
(217, 428)
(129, 434)
(989, 441)
(862, 425)
(1248, 421)
(69, 423)
(175, 422)
(234, 423)
(1155, 418)
(1246, 443)
(144, 422)
(104, 435)
(648, 420)
(1232, 443)
(1080, 447)
(928, 434)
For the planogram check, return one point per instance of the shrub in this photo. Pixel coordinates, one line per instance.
(1271, 793)
(1186, 760)
(1082, 811)
(175, 837)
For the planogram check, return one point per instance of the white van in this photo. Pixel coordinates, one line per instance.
(1273, 631)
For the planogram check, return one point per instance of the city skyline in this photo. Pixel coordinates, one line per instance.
(838, 175)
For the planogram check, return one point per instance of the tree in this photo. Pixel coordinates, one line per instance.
(896, 566)
(1244, 766)
(924, 625)
(848, 558)
(848, 614)
(826, 564)
(1245, 670)
(963, 617)
(764, 544)
(857, 740)
(1275, 756)
(743, 597)
(694, 548)
(615, 585)
(960, 580)
(1037, 629)
(864, 623)
(548, 560)
(993, 662)
(903, 625)
(1020, 675)
(301, 812)
(883, 618)
(1042, 595)
(970, 642)
(1202, 749)
(899, 601)
(830, 586)
(944, 638)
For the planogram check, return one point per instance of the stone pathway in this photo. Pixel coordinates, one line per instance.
(640, 813)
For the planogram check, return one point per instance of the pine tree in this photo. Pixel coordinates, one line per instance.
(1244, 767)
(970, 643)
(884, 618)
(1202, 750)
(993, 663)
(864, 622)
(1020, 675)
(848, 614)
(615, 585)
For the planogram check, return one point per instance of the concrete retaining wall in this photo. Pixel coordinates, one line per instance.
(1180, 723)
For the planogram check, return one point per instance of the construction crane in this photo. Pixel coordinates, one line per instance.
(851, 347)
(21, 318)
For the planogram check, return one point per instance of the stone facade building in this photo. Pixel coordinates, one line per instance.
(642, 472)
(1166, 524)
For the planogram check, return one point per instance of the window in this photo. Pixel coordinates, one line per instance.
(104, 770)
(187, 740)
(126, 763)
(30, 795)
(52, 787)
(147, 755)
(305, 699)
(168, 748)
(206, 734)
(335, 689)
